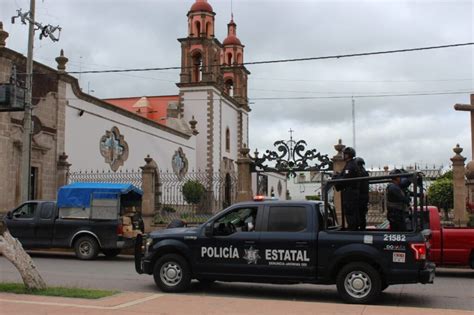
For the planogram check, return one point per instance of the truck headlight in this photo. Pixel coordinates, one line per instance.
(148, 243)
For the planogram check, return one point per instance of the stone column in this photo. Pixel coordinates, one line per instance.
(148, 187)
(459, 187)
(338, 165)
(244, 184)
(62, 170)
(3, 36)
(470, 189)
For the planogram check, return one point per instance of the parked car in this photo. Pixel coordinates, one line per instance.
(450, 245)
(89, 217)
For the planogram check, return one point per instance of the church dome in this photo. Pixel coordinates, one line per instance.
(232, 40)
(201, 5)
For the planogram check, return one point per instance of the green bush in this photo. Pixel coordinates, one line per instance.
(159, 219)
(193, 191)
(312, 197)
(169, 209)
(440, 194)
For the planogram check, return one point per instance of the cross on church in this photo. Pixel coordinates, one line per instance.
(469, 108)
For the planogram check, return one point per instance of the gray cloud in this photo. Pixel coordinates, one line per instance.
(390, 130)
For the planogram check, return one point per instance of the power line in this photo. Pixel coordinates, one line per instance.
(356, 96)
(351, 93)
(285, 60)
(326, 97)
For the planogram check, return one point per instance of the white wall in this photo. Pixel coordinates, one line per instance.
(83, 134)
(273, 179)
(230, 116)
(195, 104)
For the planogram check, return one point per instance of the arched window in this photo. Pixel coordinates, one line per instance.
(227, 139)
(239, 59)
(229, 87)
(198, 28)
(197, 64)
(208, 29)
(229, 59)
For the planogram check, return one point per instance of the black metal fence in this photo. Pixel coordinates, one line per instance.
(133, 177)
(211, 192)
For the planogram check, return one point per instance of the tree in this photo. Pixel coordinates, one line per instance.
(193, 191)
(12, 250)
(440, 193)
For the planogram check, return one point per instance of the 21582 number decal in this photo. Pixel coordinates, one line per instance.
(394, 238)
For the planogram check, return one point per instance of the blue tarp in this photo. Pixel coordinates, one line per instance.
(78, 195)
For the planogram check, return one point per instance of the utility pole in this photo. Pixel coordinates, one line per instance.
(353, 124)
(48, 30)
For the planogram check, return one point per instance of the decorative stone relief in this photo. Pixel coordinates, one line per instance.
(114, 148)
(179, 163)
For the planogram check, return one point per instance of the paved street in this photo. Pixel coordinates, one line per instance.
(453, 288)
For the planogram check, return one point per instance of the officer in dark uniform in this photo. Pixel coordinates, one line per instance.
(350, 191)
(397, 202)
(363, 193)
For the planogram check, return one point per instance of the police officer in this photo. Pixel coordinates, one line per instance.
(397, 202)
(363, 193)
(350, 191)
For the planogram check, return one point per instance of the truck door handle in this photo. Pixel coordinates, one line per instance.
(302, 243)
(250, 242)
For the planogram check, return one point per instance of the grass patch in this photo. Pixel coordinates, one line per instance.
(19, 288)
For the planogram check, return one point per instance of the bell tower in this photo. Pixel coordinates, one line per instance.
(235, 73)
(200, 51)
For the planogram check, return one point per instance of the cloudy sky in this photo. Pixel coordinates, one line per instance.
(390, 130)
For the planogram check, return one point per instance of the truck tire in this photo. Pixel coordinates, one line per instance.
(358, 283)
(111, 252)
(86, 247)
(172, 273)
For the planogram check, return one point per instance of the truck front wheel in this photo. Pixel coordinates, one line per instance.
(358, 283)
(86, 247)
(172, 273)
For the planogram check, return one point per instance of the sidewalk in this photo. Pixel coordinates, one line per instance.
(146, 303)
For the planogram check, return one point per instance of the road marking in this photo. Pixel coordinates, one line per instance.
(98, 307)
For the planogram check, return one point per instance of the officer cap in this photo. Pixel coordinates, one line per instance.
(349, 151)
(359, 161)
(396, 171)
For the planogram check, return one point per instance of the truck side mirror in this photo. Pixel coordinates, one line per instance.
(209, 230)
(9, 215)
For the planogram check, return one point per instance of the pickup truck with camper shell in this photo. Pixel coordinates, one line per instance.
(288, 242)
(89, 217)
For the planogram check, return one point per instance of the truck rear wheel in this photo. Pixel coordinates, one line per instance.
(172, 273)
(86, 247)
(358, 283)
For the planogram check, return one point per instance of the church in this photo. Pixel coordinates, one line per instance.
(202, 127)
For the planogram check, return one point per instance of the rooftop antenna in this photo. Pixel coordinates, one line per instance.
(231, 11)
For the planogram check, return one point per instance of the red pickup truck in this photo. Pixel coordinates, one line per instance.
(450, 245)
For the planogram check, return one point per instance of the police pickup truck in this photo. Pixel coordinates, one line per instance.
(285, 242)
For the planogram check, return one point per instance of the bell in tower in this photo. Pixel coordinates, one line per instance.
(235, 73)
(200, 51)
